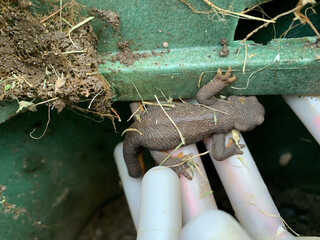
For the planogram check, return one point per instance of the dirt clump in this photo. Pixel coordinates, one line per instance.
(7, 207)
(52, 58)
(128, 57)
(224, 52)
(107, 15)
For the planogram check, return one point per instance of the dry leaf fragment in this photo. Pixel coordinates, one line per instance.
(59, 83)
(24, 104)
(236, 137)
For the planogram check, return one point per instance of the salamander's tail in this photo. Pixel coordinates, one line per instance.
(132, 153)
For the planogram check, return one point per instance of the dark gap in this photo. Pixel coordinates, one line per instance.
(272, 9)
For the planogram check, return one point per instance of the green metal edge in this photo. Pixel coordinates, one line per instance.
(7, 110)
(176, 73)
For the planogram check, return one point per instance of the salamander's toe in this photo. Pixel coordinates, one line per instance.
(182, 170)
(232, 79)
(187, 175)
(219, 72)
(228, 73)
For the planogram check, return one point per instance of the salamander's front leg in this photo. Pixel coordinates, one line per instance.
(206, 94)
(220, 151)
(177, 164)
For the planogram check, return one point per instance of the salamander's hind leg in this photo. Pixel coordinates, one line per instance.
(177, 164)
(220, 151)
(132, 153)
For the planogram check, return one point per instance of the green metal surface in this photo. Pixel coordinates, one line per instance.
(177, 73)
(147, 24)
(61, 179)
(7, 110)
(193, 44)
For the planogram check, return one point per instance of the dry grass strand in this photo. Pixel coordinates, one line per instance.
(221, 11)
(200, 79)
(46, 128)
(174, 124)
(276, 216)
(248, 81)
(131, 130)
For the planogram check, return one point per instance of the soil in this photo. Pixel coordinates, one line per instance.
(301, 210)
(112, 222)
(45, 59)
(128, 57)
(224, 52)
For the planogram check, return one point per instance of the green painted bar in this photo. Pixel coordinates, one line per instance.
(176, 73)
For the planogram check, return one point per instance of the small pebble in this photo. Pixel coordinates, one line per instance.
(165, 44)
(285, 159)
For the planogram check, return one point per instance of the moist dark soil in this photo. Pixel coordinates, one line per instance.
(301, 210)
(50, 59)
(112, 222)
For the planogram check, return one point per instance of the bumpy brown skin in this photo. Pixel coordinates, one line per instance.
(196, 123)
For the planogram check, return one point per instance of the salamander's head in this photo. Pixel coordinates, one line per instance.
(248, 113)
